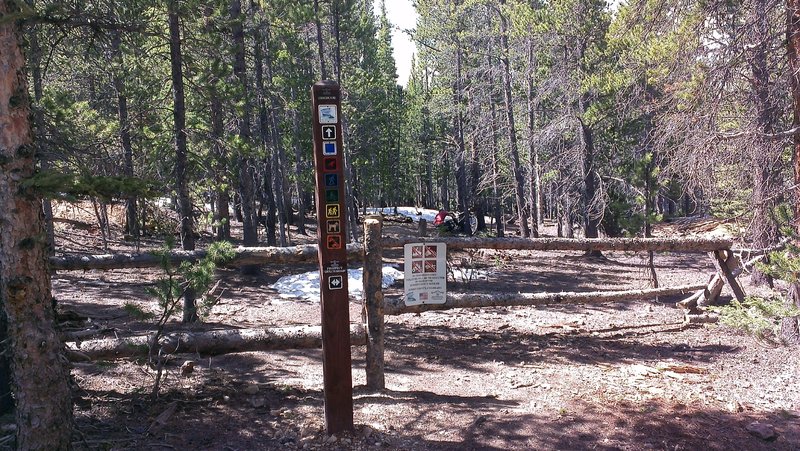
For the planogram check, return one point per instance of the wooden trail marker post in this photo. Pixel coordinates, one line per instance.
(336, 360)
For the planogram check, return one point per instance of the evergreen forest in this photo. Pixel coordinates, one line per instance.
(604, 118)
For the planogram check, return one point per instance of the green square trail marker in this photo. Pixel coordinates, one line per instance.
(336, 359)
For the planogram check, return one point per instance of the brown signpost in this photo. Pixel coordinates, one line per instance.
(336, 365)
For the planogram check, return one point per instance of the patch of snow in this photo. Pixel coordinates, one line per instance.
(410, 212)
(416, 213)
(306, 286)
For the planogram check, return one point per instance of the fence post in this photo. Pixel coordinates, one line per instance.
(422, 228)
(373, 300)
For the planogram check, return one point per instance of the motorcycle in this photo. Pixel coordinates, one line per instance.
(458, 224)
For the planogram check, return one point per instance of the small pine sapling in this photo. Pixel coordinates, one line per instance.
(170, 289)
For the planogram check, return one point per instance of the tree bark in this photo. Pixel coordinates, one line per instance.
(213, 342)
(131, 216)
(373, 302)
(219, 166)
(320, 42)
(246, 161)
(519, 179)
(497, 198)
(793, 51)
(462, 185)
(298, 174)
(766, 162)
(534, 181)
(6, 400)
(351, 200)
(35, 62)
(791, 326)
(591, 217)
(40, 378)
(267, 133)
(181, 150)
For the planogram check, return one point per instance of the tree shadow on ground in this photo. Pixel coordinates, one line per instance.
(215, 415)
(466, 350)
(619, 426)
(213, 409)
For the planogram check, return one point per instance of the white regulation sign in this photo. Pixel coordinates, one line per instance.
(426, 273)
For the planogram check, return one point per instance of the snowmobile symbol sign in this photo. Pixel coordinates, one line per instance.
(425, 273)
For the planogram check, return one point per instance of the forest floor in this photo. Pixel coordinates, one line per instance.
(616, 376)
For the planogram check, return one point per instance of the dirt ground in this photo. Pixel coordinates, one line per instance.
(617, 376)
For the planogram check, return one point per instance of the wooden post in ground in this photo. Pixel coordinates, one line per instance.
(373, 301)
(331, 233)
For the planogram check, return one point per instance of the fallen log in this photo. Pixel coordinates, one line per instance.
(571, 244)
(396, 305)
(213, 342)
(308, 253)
(243, 256)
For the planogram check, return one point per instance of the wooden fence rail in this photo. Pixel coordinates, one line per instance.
(396, 305)
(571, 244)
(243, 256)
(308, 253)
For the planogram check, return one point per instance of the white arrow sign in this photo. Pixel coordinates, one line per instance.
(335, 282)
(328, 132)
